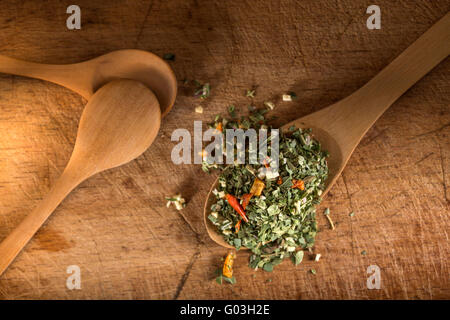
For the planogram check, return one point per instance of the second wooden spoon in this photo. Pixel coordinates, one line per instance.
(118, 124)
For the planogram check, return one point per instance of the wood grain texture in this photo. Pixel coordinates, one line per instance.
(116, 227)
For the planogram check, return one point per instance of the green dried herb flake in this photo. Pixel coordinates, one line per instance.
(169, 56)
(297, 257)
(250, 93)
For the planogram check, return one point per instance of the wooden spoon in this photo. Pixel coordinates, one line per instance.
(86, 77)
(340, 127)
(118, 124)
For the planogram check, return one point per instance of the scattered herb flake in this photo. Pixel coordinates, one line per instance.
(203, 90)
(176, 200)
(298, 257)
(231, 280)
(268, 267)
(250, 93)
(232, 111)
(199, 109)
(289, 96)
(293, 95)
(237, 242)
(327, 215)
(270, 105)
(169, 56)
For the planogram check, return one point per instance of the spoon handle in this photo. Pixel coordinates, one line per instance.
(355, 114)
(66, 75)
(19, 237)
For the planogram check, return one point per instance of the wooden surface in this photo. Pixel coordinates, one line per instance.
(116, 227)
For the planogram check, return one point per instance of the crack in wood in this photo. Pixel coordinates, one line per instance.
(197, 235)
(149, 9)
(432, 131)
(424, 158)
(351, 207)
(446, 198)
(371, 139)
(186, 273)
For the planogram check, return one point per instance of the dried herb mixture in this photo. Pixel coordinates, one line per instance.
(273, 215)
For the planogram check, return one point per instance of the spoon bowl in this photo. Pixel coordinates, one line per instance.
(119, 123)
(340, 127)
(87, 77)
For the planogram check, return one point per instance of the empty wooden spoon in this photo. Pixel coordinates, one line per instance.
(340, 127)
(88, 76)
(118, 124)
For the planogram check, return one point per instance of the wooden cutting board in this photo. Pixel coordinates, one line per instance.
(116, 227)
